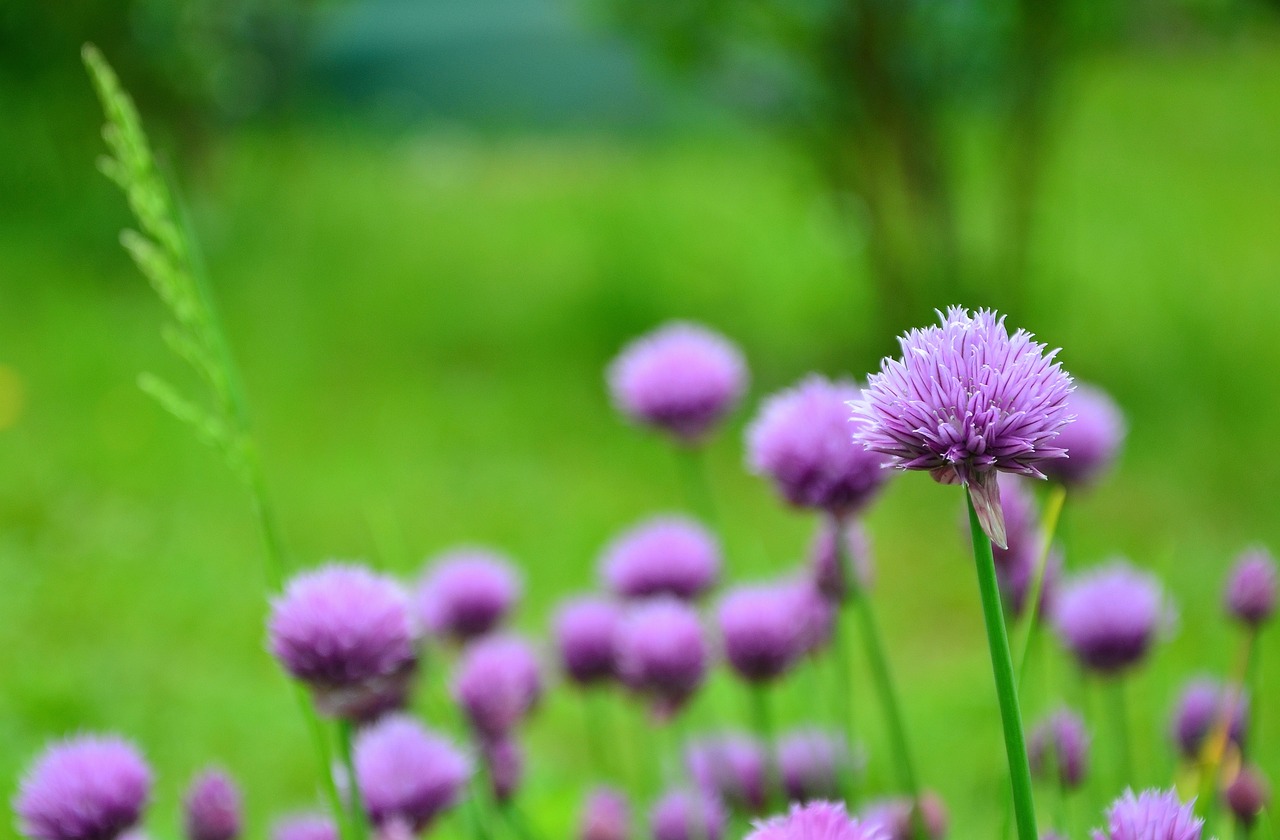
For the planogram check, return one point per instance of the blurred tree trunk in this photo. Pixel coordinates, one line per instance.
(887, 156)
(1036, 63)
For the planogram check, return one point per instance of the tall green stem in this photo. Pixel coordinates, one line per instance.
(592, 725)
(1120, 719)
(355, 805)
(888, 697)
(844, 661)
(762, 720)
(697, 486)
(1006, 685)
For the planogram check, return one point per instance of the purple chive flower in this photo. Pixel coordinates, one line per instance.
(606, 815)
(811, 763)
(829, 576)
(504, 759)
(467, 592)
(346, 632)
(212, 809)
(681, 378)
(685, 815)
(304, 827)
(1058, 749)
(893, 817)
(497, 683)
(663, 555)
(803, 443)
(1247, 795)
(817, 821)
(1108, 617)
(766, 628)
(88, 787)
(1251, 589)
(1200, 708)
(408, 774)
(967, 400)
(584, 630)
(1151, 815)
(662, 653)
(1092, 440)
(731, 768)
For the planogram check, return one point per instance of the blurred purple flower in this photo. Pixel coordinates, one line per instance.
(344, 631)
(967, 400)
(88, 787)
(1058, 749)
(682, 378)
(686, 815)
(1247, 795)
(407, 773)
(731, 768)
(606, 815)
(1092, 440)
(663, 555)
(212, 808)
(584, 630)
(802, 440)
(1151, 815)
(1201, 705)
(1108, 617)
(831, 579)
(662, 653)
(497, 683)
(1251, 587)
(467, 592)
(817, 821)
(811, 763)
(767, 628)
(304, 827)
(893, 816)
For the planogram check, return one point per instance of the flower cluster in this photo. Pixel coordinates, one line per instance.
(969, 401)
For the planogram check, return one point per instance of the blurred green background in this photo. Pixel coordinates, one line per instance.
(430, 226)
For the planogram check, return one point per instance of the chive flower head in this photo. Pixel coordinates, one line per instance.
(681, 379)
(967, 400)
(87, 787)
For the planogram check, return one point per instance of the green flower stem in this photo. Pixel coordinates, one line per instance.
(359, 829)
(475, 808)
(1120, 719)
(516, 819)
(1052, 515)
(697, 485)
(870, 633)
(843, 656)
(1006, 684)
(762, 721)
(593, 726)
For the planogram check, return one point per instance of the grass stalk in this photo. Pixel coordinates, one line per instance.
(166, 252)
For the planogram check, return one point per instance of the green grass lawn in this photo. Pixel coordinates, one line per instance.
(423, 324)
